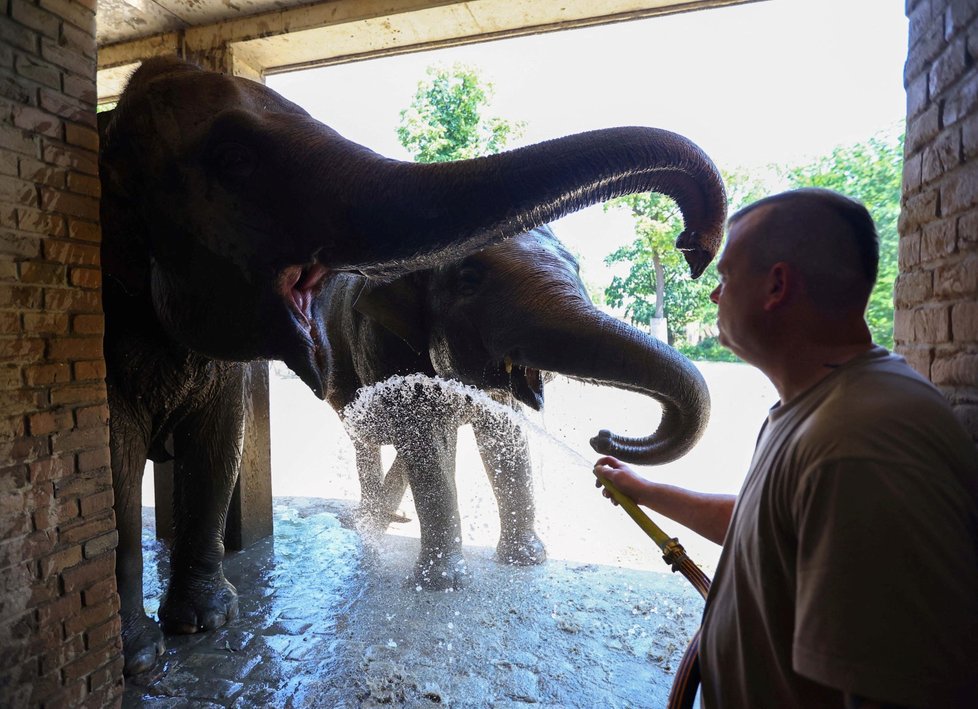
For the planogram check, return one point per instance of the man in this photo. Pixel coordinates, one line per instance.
(849, 573)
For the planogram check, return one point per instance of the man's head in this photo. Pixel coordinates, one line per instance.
(803, 258)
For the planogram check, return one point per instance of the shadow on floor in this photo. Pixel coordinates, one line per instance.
(329, 621)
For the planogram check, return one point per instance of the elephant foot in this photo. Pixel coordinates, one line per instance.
(441, 572)
(521, 549)
(199, 604)
(142, 643)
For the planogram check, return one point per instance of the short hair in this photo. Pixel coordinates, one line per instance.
(830, 238)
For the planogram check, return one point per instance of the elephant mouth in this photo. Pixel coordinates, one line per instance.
(525, 383)
(298, 287)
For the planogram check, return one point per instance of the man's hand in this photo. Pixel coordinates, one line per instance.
(626, 480)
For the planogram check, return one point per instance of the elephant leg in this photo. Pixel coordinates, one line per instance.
(380, 494)
(507, 463)
(207, 447)
(431, 473)
(142, 639)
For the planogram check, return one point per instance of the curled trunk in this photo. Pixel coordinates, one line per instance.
(611, 353)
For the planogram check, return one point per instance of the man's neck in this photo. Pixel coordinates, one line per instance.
(802, 369)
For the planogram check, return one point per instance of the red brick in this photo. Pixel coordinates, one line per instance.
(932, 325)
(33, 17)
(37, 70)
(107, 632)
(958, 191)
(72, 348)
(90, 616)
(84, 184)
(941, 156)
(913, 288)
(100, 592)
(959, 369)
(75, 299)
(71, 253)
(23, 349)
(37, 121)
(964, 322)
(86, 278)
(75, 205)
(81, 394)
(60, 560)
(66, 58)
(72, 157)
(52, 274)
(82, 136)
(11, 376)
(100, 545)
(89, 572)
(87, 371)
(14, 139)
(38, 222)
(17, 191)
(45, 422)
(84, 529)
(77, 440)
(938, 240)
(59, 609)
(43, 374)
(56, 657)
(10, 324)
(15, 244)
(86, 231)
(948, 67)
(922, 129)
(81, 88)
(76, 13)
(46, 323)
(912, 173)
(957, 279)
(96, 459)
(90, 416)
(51, 469)
(97, 503)
(65, 106)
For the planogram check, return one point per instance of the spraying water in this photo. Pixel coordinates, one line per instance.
(419, 399)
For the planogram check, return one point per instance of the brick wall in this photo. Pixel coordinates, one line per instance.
(59, 624)
(936, 294)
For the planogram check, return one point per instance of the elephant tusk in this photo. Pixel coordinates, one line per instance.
(509, 365)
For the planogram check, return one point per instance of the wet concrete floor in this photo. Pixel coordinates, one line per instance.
(327, 620)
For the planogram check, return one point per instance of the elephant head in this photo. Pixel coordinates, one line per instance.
(504, 317)
(229, 206)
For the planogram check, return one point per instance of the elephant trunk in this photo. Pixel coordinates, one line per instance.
(400, 216)
(616, 354)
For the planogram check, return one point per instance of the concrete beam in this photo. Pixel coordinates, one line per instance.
(347, 30)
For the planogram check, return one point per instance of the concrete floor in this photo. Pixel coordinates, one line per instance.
(327, 621)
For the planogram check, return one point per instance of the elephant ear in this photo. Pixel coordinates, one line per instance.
(398, 306)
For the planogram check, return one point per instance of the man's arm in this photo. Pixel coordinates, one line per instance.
(706, 514)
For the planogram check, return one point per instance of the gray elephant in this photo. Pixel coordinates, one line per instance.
(225, 211)
(501, 319)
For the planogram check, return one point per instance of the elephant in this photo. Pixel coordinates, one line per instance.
(503, 320)
(225, 210)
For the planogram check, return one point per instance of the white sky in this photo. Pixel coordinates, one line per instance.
(779, 81)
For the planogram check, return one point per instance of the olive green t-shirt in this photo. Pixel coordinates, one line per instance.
(851, 561)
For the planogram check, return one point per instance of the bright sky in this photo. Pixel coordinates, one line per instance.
(778, 81)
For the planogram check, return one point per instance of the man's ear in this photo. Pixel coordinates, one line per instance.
(782, 281)
(398, 306)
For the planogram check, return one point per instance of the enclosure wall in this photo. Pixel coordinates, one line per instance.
(59, 623)
(936, 294)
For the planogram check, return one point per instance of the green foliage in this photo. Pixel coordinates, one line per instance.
(446, 120)
(680, 299)
(871, 172)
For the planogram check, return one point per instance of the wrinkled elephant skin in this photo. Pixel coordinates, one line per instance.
(225, 211)
(503, 320)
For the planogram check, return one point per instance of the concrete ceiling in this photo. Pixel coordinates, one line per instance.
(256, 37)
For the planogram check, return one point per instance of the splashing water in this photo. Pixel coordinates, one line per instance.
(418, 399)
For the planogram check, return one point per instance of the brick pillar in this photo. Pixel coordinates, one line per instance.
(59, 623)
(936, 321)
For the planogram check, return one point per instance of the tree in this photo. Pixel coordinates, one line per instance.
(446, 119)
(872, 172)
(658, 282)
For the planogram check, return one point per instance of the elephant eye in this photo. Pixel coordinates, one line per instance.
(234, 160)
(469, 279)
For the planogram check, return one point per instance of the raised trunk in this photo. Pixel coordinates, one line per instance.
(399, 216)
(607, 351)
